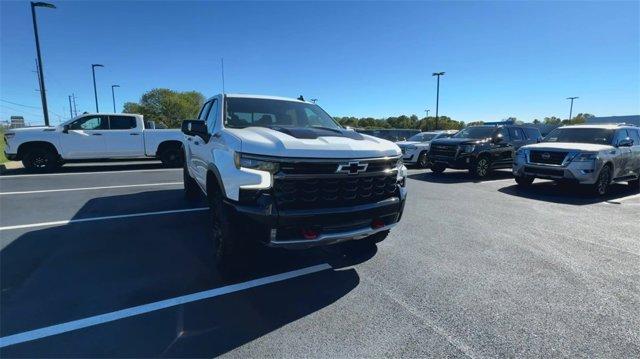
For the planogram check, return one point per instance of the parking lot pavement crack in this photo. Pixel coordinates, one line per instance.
(430, 323)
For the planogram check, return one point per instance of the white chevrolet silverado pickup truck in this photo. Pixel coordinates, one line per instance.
(92, 136)
(282, 172)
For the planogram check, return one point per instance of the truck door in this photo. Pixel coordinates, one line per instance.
(85, 138)
(634, 161)
(196, 150)
(503, 151)
(621, 165)
(124, 138)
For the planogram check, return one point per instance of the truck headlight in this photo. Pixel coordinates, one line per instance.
(468, 148)
(584, 157)
(255, 164)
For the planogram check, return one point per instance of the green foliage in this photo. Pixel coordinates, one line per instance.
(3, 159)
(404, 121)
(475, 123)
(578, 119)
(553, 120)
(167, 106)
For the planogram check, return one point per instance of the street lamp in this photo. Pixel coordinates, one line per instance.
(95, 91)
(113, 96)
(571, 108)
(438, 74)
(427, 111)
(43, 94)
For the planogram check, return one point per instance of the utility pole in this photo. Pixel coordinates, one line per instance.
(70, 108)
(43, 94)
(571, 107)
(113, 96)
(75, 110)
(95, 91)
(427, 111)
(438, 74)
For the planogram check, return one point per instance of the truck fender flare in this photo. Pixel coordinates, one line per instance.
(214, 173)
(24, 146)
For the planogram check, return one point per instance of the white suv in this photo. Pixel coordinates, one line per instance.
(281, 171)
(415, 150)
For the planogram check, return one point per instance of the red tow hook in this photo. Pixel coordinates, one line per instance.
(309, 233)
(377, 223)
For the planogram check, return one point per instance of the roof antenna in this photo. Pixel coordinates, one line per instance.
(301, 98)
(222, 66)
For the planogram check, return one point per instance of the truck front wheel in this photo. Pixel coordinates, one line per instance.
(481, 167)
(437, 168)
(171, 157)
(227, 241)
(40, 159)
(423, 159)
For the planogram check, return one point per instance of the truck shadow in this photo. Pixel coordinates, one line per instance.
(459, 176)
(59, 274)
(550, 191)
(95, 166)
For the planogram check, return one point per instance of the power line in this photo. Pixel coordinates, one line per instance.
(18, 104)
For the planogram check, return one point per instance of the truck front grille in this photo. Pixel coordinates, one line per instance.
(308, 193)
(301, 167)
(444, 150)
(547, 157)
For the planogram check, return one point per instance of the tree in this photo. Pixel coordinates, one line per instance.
(475, 123)
(167, 106)
(553, 120)
(536, 121)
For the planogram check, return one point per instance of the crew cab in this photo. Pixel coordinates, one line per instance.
(415, 150)
(282, 172)
(595, 155)
(90, 137)
(481, 149)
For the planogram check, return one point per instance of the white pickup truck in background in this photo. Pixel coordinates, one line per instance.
(93, 136)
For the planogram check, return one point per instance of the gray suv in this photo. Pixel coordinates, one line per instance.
(595, 155)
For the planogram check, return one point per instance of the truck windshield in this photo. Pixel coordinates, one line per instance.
(599, 136)
(477, 133)
(250, 112)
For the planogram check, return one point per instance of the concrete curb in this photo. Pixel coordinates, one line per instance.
(10, 166)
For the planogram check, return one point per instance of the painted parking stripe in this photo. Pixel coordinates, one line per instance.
(87, 173)
(147, 308)
(104, 218)
(91, 188)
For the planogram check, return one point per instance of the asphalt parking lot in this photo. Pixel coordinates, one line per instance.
(101, 260)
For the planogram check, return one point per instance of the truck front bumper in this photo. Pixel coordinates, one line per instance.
(304, 228)
(578, 172)
(461, 161)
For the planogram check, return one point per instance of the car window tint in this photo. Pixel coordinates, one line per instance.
(205, 111)
(90, 123)
(122, 122)
(211, 116)
(505, 134)
(635, 136)
(516, 134)
(532, 133)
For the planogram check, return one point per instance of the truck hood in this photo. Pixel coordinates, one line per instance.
(312, 143)
(457, 141)
(31, 129)
(587, 147)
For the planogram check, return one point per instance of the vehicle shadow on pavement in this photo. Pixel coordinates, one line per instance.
(459, 176)
(59, 274)
(550, 191)
(94, 166)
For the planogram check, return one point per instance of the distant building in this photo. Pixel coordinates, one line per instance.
(633, 120)
(16, 122)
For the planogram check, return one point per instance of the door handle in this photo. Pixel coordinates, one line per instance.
(96, 134)
(196, 143)
(189, 139)
(134, 134)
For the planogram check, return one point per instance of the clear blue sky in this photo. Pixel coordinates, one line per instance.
(501, 59)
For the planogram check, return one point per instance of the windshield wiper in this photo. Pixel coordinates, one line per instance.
(327, 128)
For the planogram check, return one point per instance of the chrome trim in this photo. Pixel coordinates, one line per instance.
(330, 238)
(317, 160)
(334, 175)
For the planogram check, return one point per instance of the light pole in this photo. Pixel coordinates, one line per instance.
(113, 96)
(95, 91)
(70, 108)
(427, 111)
(571, 107)
(438, 74)
(43, 94)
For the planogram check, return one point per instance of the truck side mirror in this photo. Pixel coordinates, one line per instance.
(627, 142)
(65, 129)
(498, 138)
(195, 128)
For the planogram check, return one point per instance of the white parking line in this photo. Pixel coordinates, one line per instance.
(87, 173)
(91, 188)
(91, 219)
(146, 308)
(633, 196)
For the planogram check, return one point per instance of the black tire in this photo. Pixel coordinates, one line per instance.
(226, 237)
(601, 187)
(172, 157)
(191, 190)
(438, 168)
(423, 160)
(524, 181)
(40, 159)
(481, 168)
(635, 184)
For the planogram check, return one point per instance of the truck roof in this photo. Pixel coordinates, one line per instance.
(604, 126)
(242, 95)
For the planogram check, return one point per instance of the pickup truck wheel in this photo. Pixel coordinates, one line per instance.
(191, 190)
(40, 159)
(171, 157)
(601, 187)
(524, 181)
(227, 241)
(423, 159)
(437, 168)
(635, 184)
(480, 168)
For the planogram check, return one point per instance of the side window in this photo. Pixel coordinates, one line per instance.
(635, 136)
(90, 123)
(505, 134)
(532, 133)
(619, 136)
(211, 117)
(122, 122)
(205, 110)
(516, 134)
